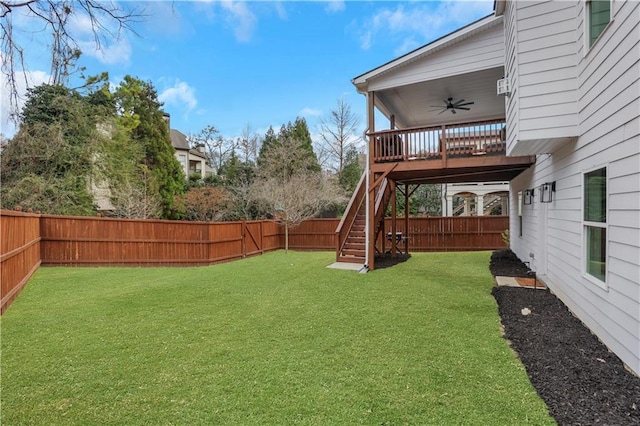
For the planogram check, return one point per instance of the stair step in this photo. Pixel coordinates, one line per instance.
(355, 239)
(351, 259)
(353, 246)
(353, 252)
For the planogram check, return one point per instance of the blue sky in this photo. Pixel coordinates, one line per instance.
(233, 64)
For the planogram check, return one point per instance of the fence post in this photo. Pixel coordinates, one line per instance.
(243, 238)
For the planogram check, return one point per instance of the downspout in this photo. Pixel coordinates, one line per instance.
(366, 201)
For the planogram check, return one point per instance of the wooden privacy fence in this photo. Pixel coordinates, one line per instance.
(458, 233)
(100, 241)
(19, 252)
(29, 240)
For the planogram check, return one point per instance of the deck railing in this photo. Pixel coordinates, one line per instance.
(424, 143)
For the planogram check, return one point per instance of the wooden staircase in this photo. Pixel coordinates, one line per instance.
(354, 248)
(351, 231)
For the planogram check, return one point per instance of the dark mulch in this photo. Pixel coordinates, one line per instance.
(385, 260)
(581, 382)
(505, 263)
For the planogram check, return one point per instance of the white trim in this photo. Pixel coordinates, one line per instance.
(587, 27)
(583, 250)
(451, 38)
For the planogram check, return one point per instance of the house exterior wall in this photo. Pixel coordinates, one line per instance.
(541, 62)
(483, 51)
(480, 191)
(188, 161)
(607, 98)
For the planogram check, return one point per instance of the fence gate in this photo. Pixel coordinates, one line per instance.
(252, 238)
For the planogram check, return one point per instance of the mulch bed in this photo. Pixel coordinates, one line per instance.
(581, 382)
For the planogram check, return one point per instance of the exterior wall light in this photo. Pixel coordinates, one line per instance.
(547, 190)
(528, 196)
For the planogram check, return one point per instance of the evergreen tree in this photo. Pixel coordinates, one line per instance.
(299, 132)
(269, 140)
(140, 112)
(48, 163)
(351, 171)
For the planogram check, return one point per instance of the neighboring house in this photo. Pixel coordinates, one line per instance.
(477, 199)
(192, 160)
(565, 132)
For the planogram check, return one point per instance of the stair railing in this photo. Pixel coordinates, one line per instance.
(349, 216)
(382, 201)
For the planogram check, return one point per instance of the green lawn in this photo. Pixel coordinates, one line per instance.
(274, 339)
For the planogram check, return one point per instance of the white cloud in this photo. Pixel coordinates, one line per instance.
(281, 11)
(118, 52)
(107, 50)
(407, 45)
(180, 95)
(33, 78)
(335, 6)
(310, 112)
(424, 21)
(241, 18)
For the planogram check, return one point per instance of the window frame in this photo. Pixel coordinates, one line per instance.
(520, 208)
(602, 225)
(587, 23)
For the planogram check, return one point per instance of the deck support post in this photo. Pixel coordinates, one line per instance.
(370, 195)
(394, 225)
(406, 218)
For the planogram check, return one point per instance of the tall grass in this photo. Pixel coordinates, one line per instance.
(275, 339)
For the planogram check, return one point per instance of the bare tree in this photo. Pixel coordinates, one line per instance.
(339, 135)
(137, 201)
(217, 148)
(290, 192)
(248, 144)
(107, 21)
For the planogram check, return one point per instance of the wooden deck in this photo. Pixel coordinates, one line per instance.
(466, 152)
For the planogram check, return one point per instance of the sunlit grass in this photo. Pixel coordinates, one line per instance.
(274, 339)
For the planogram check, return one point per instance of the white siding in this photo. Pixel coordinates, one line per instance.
(545, 74)
(511, 71)
(607, 89)
(482, 51)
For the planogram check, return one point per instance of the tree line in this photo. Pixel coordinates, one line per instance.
(75, 144)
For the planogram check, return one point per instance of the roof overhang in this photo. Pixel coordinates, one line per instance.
(464, 64)
(361, 81)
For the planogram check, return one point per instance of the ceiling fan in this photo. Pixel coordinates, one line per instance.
(453, 106)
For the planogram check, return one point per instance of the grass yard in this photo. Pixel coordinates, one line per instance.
(273, 339)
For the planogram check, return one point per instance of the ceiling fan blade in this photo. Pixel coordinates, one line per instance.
(464, 108)
(463, 104)
(443, 111)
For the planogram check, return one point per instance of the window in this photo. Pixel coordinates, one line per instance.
(595, 223)
(183, 161)
(599, 15)
(520, 213)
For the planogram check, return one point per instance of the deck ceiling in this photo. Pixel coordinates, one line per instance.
(412, 104)
(478, 169)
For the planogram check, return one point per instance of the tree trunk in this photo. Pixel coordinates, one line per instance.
(286, 237)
